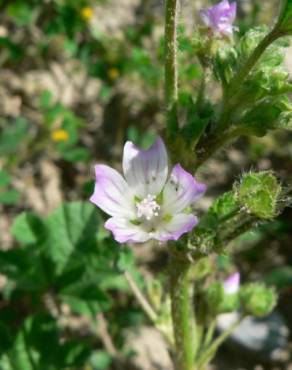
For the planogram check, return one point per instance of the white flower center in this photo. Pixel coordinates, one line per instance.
(148, 207)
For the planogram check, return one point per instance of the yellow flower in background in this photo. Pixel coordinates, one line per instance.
(113, 73)
(87, 13)
(59, 135)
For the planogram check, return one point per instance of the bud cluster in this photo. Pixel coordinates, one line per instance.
(254, 299)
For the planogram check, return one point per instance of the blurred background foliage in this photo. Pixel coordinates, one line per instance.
(78, 78)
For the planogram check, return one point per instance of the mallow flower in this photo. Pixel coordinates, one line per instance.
(232, 283)
(147, 203)
(220, 17)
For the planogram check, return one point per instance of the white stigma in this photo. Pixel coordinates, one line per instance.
(148, 207)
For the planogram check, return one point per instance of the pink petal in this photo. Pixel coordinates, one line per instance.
(176, 227)
(145, 170)
(220, 17)
(232, 11)
(112, 194)
(126, 232)
(181, 191)
(232, 283)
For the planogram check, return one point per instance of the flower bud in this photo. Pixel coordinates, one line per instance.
(223, 298)
(258, 194)
(232, 283)
(258, 299)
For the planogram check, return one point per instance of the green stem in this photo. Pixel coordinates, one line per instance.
(211, 351)
(231, 95)
(182, 313)
(140, 297)
(210, 145)
(171, 92)
(210, 333)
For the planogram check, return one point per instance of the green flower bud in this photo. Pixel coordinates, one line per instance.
(215, 296)
(219, 302)
(258, 299)
(258, 193)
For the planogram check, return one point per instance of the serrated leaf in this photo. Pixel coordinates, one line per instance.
(72, 227)
(25, 267)
(28, 228)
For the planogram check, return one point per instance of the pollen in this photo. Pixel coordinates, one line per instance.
(148, 208)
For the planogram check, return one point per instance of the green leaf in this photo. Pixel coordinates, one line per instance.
(4, 178)
(13, 136)
(85, 291)
(21, 12)
(100, 360)
(284, 23)
(9, 197)
(28, 228)
(46, 100)
(25, 268)
(81, 307)
(71, 228)
(76, 154)
(125, 259)
(281, 277)
(37, 344)
(20, 356)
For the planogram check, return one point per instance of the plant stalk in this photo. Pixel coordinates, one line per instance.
(182, 313)
(145, 305)
(171, 90)
(230, 98)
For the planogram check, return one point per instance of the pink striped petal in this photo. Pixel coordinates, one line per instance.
(220, 17)
(112, 194)
(126, 232)
(181, 191)
(176, 227)
(145, 170)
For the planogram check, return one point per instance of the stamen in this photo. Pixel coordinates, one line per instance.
(148, 207)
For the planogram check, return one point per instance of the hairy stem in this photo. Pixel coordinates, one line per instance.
(182, 313)
(220, 136)
(147, 308)
(211, 144)
(230, 99)
(171, 92)
(207, 356)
